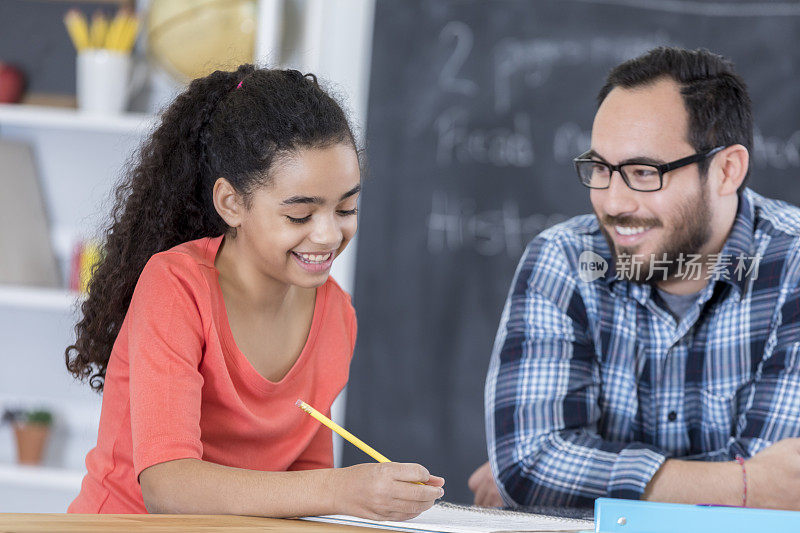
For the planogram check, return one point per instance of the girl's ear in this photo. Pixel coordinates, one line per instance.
(228, 203)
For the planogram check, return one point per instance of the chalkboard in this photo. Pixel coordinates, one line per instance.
(476, 110)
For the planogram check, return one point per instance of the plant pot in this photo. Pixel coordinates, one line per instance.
(31, 440)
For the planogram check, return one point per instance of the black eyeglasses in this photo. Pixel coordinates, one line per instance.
(638, 176)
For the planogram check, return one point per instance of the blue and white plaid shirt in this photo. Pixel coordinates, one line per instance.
(592, 385)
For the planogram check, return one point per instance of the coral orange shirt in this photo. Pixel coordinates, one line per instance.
(178, 387)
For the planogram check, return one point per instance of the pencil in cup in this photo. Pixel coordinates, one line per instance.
(78, 29)
(116, 35)
(98, 30)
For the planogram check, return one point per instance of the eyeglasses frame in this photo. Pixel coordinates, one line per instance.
(662, 169)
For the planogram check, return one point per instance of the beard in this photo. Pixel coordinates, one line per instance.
(692, 232)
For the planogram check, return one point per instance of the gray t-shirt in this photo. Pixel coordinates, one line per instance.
(678, 304)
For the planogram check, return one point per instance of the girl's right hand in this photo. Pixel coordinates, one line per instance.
(385, 491)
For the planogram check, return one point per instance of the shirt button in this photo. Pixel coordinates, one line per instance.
(672, 416)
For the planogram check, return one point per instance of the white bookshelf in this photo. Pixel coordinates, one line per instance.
(40, 476)
(37, 489)
(78, 159)
(39, 298)
(56, 118)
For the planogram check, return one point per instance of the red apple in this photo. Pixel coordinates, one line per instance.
(12, 83)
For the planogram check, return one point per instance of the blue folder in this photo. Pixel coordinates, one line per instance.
(630, 516)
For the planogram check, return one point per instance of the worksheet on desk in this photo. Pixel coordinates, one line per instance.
(450, 518)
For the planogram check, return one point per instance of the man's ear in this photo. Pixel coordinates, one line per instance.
(228, 203)
(731, 166)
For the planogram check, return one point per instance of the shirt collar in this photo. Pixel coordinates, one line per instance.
(737, 255)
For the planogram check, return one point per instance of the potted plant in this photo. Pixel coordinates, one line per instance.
(31, 429)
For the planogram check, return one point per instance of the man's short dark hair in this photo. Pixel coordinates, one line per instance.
(715, 97)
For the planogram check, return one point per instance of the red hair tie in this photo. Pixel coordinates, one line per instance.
(240, 84)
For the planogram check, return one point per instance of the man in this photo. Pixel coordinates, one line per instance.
(652, 350)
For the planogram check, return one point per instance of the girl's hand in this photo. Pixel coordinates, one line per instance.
(385, 491)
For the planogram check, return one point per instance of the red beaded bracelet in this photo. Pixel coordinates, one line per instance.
(740, 460)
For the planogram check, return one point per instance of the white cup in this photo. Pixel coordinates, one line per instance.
(104, 81)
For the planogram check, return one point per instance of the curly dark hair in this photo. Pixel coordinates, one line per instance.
(227, 124)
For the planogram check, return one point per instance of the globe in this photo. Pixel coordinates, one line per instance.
(192, 38)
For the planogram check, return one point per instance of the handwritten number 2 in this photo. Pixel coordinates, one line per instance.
(448, 79)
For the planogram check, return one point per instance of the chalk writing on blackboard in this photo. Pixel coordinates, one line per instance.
(455, 224)
(534, 59)
(501, 146)
(775, 152)
(448, 79)
(569, 141)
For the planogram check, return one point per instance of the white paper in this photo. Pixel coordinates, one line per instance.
(449, 518)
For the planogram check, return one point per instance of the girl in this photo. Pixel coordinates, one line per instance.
(213, 312)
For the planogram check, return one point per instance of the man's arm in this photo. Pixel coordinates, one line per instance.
(765, 432)
(773, 480)
(542, 394)
(697, 482)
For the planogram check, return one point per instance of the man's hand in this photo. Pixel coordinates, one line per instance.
(773, 476)
(482, 484)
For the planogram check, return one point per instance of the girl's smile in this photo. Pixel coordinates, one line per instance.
(315, 263)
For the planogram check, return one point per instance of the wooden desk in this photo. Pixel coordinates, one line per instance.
(68, 523)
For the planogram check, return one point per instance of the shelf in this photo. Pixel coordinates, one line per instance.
(38, 298)
(40, 476)
(73, 120)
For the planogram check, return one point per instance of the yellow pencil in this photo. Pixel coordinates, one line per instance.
(115, 30)
(77, 28)
(343, 432)
(97, 32)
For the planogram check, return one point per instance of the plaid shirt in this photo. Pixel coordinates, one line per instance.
(592, 385)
